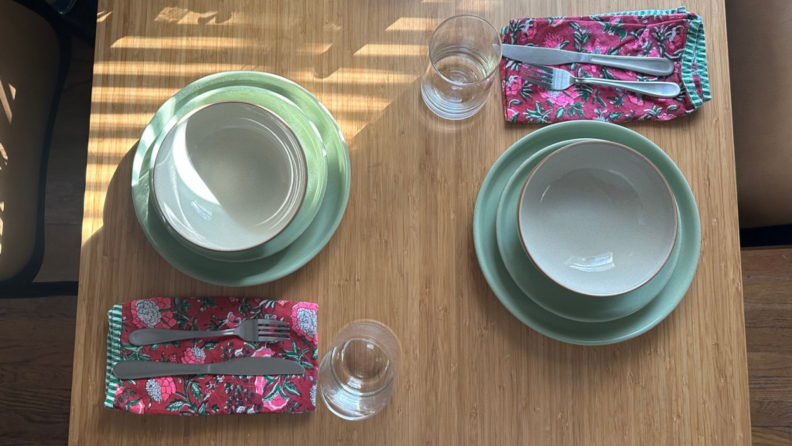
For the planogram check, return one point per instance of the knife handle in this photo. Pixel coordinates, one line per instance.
(151, 369)
(656, 66)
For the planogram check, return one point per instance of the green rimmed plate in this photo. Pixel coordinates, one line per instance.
(310, 141)
(548, 294)
(292, 257)
(525, 309)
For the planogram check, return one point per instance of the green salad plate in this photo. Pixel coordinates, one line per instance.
(327, 204)
(525, 308)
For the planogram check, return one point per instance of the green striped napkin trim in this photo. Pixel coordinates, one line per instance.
(694, 59)
(113, 354)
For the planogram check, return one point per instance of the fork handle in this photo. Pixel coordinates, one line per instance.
(658, 89)
(657, 66)
(148, 336)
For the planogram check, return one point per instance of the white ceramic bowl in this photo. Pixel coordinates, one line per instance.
(597, 218)
(229, 176)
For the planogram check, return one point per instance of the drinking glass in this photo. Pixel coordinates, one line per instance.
(357, 375)
(464, 54)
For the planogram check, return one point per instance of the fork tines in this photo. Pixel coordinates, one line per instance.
(273, 328)
(538, 74)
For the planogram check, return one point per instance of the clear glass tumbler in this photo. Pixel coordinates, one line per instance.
(464, 54)
(358, 373)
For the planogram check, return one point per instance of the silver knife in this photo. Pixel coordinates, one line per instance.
(657, 66)
(240, 366)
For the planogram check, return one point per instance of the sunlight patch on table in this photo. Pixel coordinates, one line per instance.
(306, 78)
(414, 24)
(114, 121)
(187, 69)
(187, 43)
(378, 49)
(91, 225)
(367, 77)
(131, 95)
(374, 90)
(221, 17)
(315, 49)
(120, 145)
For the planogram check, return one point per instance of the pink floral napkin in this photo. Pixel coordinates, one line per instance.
(211, 394)
(674, 34)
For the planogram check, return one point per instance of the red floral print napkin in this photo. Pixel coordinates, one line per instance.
(211, 394)
(675, 34)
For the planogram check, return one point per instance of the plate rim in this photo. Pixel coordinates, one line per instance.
(583, 129)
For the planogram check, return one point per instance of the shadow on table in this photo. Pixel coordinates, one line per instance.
(120, 225)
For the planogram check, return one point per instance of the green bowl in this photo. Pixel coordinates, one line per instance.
(544, 291)
(531, 313)
(312, 146)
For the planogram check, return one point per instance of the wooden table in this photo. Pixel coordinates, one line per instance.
(471, 372)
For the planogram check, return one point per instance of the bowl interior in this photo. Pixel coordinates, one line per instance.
(597, 218)
(230, 176)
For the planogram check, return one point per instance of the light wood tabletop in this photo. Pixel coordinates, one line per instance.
(471, 373)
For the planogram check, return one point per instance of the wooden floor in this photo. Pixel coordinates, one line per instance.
(36, 360)
(767, 280)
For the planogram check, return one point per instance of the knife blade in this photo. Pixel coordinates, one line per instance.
(239, 366)
(656, 66)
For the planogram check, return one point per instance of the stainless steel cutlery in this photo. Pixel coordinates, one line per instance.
(656, 66)
(251, 330)
(558, 79)
(240, 366)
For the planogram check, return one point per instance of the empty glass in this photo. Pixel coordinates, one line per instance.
(358, 373)
(464, 54)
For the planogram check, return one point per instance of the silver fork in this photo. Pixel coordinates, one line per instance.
(558, 79)
(251, 330)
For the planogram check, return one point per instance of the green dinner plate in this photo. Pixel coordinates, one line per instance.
(310, 141)
(528, 311)
(544, 291)
(292, 257)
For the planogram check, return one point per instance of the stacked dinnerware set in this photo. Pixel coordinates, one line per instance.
(240, 178)
(587, 232)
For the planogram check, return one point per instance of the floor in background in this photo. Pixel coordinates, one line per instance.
(767, 283)
(36, 364)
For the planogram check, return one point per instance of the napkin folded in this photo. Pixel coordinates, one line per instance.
(675, 34)
(211, 394)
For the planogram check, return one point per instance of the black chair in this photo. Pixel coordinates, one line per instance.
(34, 59)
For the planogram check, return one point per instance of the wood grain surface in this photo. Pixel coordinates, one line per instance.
(471, 373)
(767, 275)
(37, 338)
